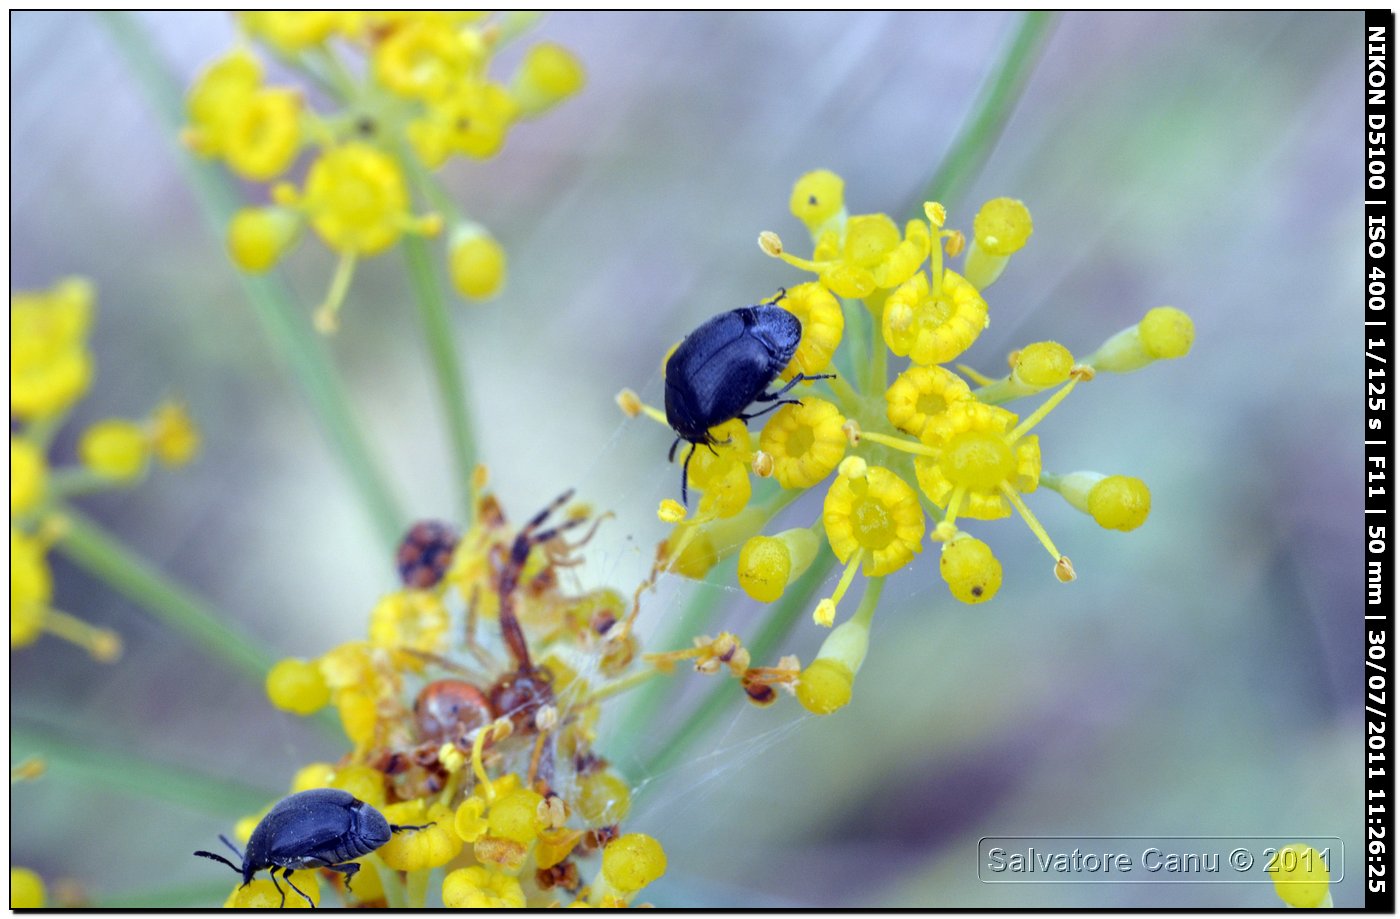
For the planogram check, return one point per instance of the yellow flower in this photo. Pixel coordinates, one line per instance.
(49, 363)
(424, 59)
(516, 816)
(297, 686)
(480, 888)
(115, 448)
(978, 458)
(216, 99)
(818, 198)
(174, 437)
(259, 236)
(877, 515)
(632, 861)
(28, 476)
(262, 893)
(822, 325)
(261, 136)
(868, 255)
(290, 31)
(920, 394)
(933, 328)
(806, 442)
(472, 120)
(548, 75)
(412, 619)
(470, 821)
(31, 587)
(26, 889)
(1301, 876)
(1000, 229)
(476, 262)
(418, 850)
(356, 199)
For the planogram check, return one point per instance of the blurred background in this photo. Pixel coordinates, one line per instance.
(1203, 675)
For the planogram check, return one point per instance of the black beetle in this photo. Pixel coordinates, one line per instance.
(723, 366)
(320, 828)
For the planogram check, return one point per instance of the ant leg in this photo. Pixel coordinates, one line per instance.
(287, 876)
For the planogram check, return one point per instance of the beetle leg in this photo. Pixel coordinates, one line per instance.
(287, 876)
(273, 874)
(770, 396)
(779, 404)
(348, 869)
(685, 477)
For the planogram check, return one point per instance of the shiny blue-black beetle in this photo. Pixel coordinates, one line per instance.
(320, 828)
(723, 366)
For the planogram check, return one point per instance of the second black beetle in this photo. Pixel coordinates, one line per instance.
(725, 365)
(320, 828)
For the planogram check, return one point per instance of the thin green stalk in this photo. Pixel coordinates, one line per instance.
(100, 553)
(285, 325)
(93, 768)
(990, 113)
(447, 369)
(795, 602)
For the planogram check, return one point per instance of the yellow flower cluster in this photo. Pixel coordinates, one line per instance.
(50, 370)
(413, 90)
(897, 458)
(491, 745)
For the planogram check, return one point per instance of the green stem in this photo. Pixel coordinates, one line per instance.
(101, 554)
(91, 768)
(68, 481)
(282, 322)
(389, 879)
(796, 601)
(447, 369)
(989, 115)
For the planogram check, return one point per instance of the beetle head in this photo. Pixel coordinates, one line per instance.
(369, 825)
(779, 330)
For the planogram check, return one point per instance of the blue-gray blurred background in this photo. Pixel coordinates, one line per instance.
(1203, 675)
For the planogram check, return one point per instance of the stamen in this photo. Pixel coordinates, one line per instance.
(954, 505)
(327, 318)
(1036, 417)
(825, 613)
(632, 405)
(908, 446)
(103, 644)
(1033, 523)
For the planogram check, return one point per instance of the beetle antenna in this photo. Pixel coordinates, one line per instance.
(232, 848)
(219, 858)
(395, 828)
(671, 457)
(685, 476)
(782, 295)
